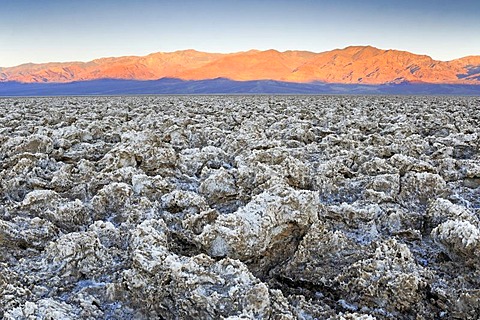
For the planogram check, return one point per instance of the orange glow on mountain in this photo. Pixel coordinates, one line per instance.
(356, 64)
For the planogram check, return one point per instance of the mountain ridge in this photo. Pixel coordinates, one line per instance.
(350, 65)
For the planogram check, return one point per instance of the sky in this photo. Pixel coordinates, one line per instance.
(83, 30)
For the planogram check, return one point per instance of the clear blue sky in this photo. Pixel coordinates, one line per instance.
(67, 30)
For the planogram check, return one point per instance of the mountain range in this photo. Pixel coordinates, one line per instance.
(351, 65)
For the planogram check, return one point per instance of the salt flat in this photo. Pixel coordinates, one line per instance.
(266, 207)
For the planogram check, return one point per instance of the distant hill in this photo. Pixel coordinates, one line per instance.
(351, 65)
(224, 86)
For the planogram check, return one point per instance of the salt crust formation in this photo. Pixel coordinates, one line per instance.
(240, 208)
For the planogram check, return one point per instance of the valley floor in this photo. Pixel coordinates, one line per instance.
(240, 207)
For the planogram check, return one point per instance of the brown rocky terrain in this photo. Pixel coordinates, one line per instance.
(240, 207)
(356, 64)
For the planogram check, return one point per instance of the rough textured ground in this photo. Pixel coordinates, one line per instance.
(240, 207)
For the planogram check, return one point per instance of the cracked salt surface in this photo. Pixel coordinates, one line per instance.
(230, 207)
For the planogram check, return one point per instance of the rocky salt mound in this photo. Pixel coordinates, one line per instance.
(240, 208)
